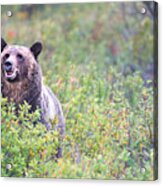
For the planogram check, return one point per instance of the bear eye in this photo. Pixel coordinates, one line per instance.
(6, 56)
(20, 57)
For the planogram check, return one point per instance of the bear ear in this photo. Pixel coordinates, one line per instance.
(3, 44)
(36, 49)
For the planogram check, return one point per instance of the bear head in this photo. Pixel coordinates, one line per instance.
(18, 62)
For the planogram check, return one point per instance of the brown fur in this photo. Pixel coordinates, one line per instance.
(29, 79)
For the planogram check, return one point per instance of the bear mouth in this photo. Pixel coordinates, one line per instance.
(11, 75)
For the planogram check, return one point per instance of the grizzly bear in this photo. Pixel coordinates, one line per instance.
(21, 80)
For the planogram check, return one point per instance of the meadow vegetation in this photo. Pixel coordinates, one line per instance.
(97, 61)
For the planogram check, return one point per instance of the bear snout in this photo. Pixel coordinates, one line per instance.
(9, 70)
(8, 66)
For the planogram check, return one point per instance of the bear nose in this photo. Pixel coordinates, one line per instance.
(8, 66)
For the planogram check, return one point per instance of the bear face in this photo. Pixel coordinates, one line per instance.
(18, 62)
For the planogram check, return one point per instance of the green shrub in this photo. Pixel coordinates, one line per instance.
(107, 137)
(26, 148)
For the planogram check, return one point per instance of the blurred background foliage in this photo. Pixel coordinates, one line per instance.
(98, 59)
